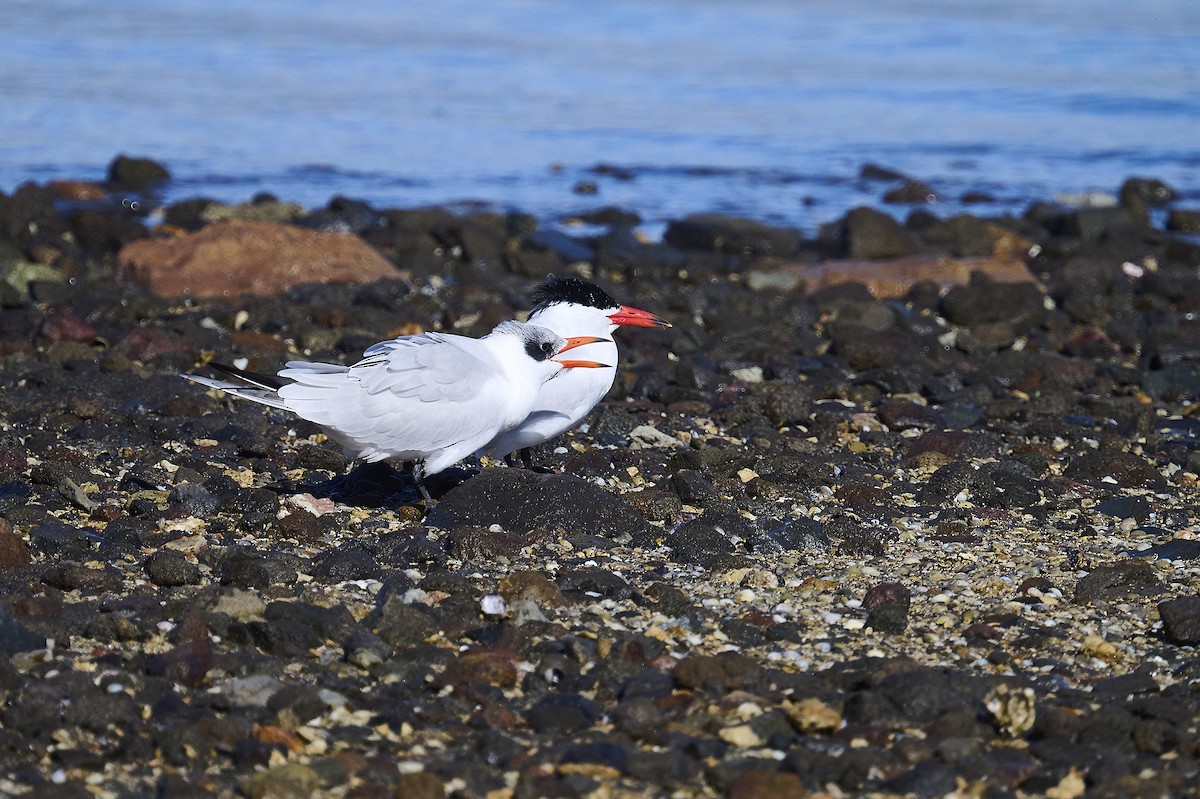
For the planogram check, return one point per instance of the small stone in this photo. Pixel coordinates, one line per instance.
(741, 736)
(812, 715)
(289, 781)
(1014, 709)
(755, 784)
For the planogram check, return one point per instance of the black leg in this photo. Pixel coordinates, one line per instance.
(418, 474)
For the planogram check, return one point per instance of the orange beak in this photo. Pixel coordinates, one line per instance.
(579, 341)
(636, 317)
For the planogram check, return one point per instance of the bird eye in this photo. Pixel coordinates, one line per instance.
(547, 348)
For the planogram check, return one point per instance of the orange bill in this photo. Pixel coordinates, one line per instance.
(579, 341)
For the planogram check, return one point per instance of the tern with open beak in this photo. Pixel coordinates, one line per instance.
(431, 398)
(568, 305)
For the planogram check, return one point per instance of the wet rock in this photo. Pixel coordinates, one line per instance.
(236, 258)
(1183, 220)
(871, 234)
(731, 235)
(1181, 620)
(520, 500)
(1115, 580)
(1151, 191)
(911, 192)
(136, 174)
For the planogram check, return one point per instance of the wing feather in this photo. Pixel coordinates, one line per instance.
(407, 398)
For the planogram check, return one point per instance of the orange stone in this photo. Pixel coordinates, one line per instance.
(236, 257)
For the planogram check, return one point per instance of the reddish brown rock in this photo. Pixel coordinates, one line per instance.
(237, 257)
(894, 277)
(13, 549)
(77, 189)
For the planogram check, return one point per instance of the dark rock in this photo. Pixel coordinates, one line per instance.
(927, 779)
(1181, 620)
(350, 562)
(168, 567)
(1126, 468)
(191, 658)
(731, 235)
(1183, 220)
(1116, 580)
(520, 500)
(401, 624)
(55, 539)
(887, 607)
(867, 233)
(693, 487)
(1151, 191)
(198, 500)
(13, 549)
(757, 784)
(14, 637)
(559, 713)
(1175, 549)
(984, 300)
(728, 671)
(796, 534)
(594, 581)
(1125, 508)
(911, 192)
(716, 532)
(136, 174)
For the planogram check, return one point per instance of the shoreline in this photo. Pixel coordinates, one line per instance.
(817, 541)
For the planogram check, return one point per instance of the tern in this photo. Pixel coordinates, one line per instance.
(431, 398)
(568, 306)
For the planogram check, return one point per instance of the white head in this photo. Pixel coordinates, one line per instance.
(539, 346)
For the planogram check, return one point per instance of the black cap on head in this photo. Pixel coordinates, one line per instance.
(570, 289)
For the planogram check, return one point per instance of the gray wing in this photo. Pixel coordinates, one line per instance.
(406, 398)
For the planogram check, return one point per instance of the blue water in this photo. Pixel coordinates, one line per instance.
(764, 108)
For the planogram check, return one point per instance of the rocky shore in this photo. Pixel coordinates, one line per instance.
(904, 509)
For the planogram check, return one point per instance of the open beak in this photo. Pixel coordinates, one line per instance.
(579, 341)
(581, 364)
(636, 317)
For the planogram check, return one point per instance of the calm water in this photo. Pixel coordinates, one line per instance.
(761, 108)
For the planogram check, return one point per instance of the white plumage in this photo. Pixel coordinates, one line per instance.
(433, 397)
(568, 304)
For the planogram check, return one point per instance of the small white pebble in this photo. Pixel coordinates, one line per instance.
(493, 605)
